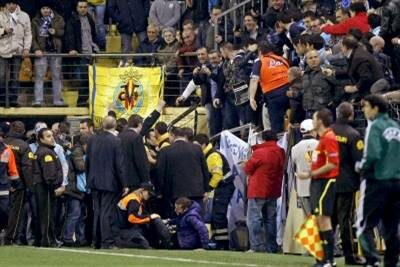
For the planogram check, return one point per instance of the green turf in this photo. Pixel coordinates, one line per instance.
(29, 256)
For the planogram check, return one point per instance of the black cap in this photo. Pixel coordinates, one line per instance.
(148, 187)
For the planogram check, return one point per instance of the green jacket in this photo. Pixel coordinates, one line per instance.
(381, 159)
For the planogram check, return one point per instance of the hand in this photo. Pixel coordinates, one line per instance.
(217, 103)
(289, 94)
(8, 30)
(180, 73)
(154, 216)
(303, 175)
(52, 31)
(59, 191)
(237, 33)
(218, 39)
(206, 71)
(161, 105)
(196, 70)
(179, 100)
(25, 53)
(350, 89)
(73, 52)
(39, 53)
(253, 104)
(396, 41)
(125, 191)
(328, 72)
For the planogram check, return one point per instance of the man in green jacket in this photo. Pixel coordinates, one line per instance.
(380, 188)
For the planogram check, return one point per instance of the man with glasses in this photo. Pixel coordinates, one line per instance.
(81, 38)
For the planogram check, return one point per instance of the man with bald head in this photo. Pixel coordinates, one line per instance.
(107, 181)
(321, 89)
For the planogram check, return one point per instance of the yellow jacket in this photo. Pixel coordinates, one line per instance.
(214, 165)
(163, 141)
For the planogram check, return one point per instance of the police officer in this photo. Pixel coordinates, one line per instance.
(47, 182)
(222, 183)
(348, 182)
(23, 157)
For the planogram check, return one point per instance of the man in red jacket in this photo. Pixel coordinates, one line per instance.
(358, 20)
(265, 170)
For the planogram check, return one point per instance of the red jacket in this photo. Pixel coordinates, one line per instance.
(265, 168)
(359, 21)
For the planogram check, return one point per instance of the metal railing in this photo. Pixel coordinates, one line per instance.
(74, 75)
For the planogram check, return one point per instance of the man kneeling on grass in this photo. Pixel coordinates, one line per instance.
(137, 228)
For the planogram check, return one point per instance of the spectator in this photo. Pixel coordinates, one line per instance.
(188, 133)
(170, 45)
(364, 71)
(271, 71)
(190, 227)
(186, 62)
(75, 191)
(175, 179)
(251, 30)
(136, 224)
(286, 21)
(136, 164)
(358, 20)
(17, 196)
(47, 33)
(149, 45)
(16, 38)
(295, 95)
(131, 17)
(317, 30)
(86, 127)
(308, 18)
(319, 90)
(196, 10)
(342, 15)
(374, 21)
(235, 73)
(165, 13)
(81, 37)
(106, 179)
(97, 8)
(380, 187)
(207, 35)
(384, 60)
(47, 181)
(351, 148)
(265, 168)
(270, 17)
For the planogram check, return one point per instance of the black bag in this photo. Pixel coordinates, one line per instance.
(241, 92)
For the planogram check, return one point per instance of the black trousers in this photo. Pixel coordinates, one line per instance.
(380, 200)
(46, 201)
(105, 228)
(344, 216)
(15, 219)
(4, 204)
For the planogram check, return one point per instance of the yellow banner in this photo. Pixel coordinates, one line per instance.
(126, 91)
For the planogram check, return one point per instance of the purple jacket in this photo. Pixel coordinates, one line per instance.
(191, 230)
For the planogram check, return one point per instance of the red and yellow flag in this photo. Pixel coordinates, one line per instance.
(308, 237)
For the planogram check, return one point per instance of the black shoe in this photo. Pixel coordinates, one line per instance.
(69, 244)
(354, 261)
(109, 247)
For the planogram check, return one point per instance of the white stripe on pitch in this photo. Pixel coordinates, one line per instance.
(151, 257)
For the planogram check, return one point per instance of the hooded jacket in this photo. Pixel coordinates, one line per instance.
(39, 42)
(191, 230)
(130, 15)
(20, 39)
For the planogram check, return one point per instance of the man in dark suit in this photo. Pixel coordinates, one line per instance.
(136, 162)
(181, 171)
(107, 180)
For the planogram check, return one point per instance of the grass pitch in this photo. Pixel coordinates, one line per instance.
(29, 256)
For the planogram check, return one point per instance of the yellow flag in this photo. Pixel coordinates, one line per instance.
(308, 237)
(127, 91)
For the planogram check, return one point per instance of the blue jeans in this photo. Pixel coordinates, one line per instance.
(277, 103)
(261, 222)
(234, 116)
(75, 221)
(98, 13)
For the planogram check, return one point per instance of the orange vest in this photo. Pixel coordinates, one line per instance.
(123, 205)
(274, 72)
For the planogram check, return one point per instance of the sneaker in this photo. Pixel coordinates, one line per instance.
(250, 251)
(59, 104)
(375, 264)
(354, 261)
(37, 104)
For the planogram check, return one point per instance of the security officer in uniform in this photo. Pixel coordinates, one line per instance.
(222, 183)
(47, 182)
(348, 181)
(24, 158)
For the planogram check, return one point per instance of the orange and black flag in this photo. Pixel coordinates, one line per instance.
(308, 237)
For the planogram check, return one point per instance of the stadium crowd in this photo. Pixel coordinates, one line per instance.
(135, 183)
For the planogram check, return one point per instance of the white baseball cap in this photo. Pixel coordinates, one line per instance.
(306, 126)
